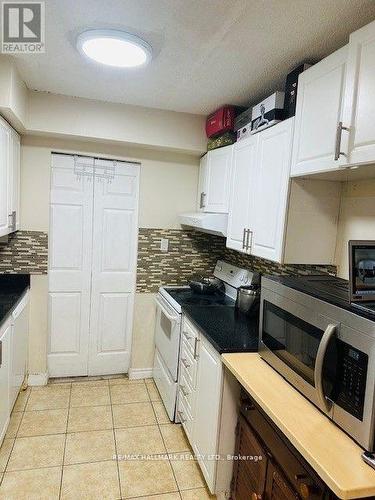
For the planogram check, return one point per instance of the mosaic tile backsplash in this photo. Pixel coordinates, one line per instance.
(25, 253)
(192, 253)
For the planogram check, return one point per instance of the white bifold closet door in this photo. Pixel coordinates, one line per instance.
(92, 265)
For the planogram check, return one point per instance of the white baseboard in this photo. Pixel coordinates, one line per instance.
(37, 379)
(137, 373)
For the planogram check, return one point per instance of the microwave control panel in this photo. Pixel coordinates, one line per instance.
(351, 379)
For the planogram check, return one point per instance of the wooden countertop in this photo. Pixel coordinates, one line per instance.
(329, 451)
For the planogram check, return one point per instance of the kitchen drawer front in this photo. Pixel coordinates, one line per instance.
(186, 391)
(184, 415)
(189, 335)
(188, 366)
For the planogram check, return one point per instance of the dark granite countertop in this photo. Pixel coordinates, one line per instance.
(224, 327)
(12, 287)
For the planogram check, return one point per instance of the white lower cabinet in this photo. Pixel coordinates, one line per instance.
(13, 359)
(207, 408)
(5, 332)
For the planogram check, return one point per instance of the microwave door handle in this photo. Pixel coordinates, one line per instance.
(330, 332)
(172, 319)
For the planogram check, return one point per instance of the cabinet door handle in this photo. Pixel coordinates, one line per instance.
(203, 196)
(185, 363)
(248, 242)
(339, 130)
(243, 238)
(196, 340)
(14, 220)
(181, 415)
(184, 391)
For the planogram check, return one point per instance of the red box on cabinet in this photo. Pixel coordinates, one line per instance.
(221, 121)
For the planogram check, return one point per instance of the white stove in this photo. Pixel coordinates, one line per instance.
(169, 302)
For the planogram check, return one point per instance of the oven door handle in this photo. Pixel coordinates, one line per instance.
(172, 319)
(328, 334)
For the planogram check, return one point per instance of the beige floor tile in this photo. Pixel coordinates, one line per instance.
(37, 451)
(197, 494)
(125, 381)
(153, 391)
(90, 482)
(174, 438)
(22, 400)
(5, 450)
(42, 422)
(188, 474)
(165, 496)
(89, 396)
(90, 418)
(161, 414)
(14, 424)
(142, 478)
(129, 393)
(48, 398)
(91, 446)
(37, 484)
(139, 440)
(91, 383)
(133, 415)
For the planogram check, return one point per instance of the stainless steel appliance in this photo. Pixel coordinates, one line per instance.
(324, 346)
(248, 299)
(168, 325)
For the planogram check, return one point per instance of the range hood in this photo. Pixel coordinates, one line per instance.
(206, 222)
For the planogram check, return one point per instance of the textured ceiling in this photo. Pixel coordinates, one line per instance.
(206, 52)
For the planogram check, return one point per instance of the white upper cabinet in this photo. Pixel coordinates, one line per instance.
(335, 115)
(271, 216)
(318, 115)
(271, 189)
(214, 180)
(359, 109)
(9, 179)
(5, 198)
(241, 198)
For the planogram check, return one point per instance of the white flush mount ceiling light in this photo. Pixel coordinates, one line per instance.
(114, 48)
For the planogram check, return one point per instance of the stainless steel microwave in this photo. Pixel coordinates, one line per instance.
(321, 346)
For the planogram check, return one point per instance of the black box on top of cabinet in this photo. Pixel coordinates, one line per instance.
(291, 90)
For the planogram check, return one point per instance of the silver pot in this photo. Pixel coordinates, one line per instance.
(248, 299)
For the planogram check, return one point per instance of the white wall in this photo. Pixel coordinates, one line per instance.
(168, 186)
(356, 221)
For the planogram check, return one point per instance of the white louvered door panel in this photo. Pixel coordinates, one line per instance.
(70, 248)
(114, 267)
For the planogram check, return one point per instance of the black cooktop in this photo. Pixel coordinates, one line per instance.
(186, 296)
(216, 317)
(330, 289)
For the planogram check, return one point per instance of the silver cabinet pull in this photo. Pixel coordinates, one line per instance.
(185, 363)
(186, 335)
(249, 242)
(339, 130)
(196, 340)
(243, 238)
(202, 203)
(12, 224)
(184, 391)
(181, 415)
